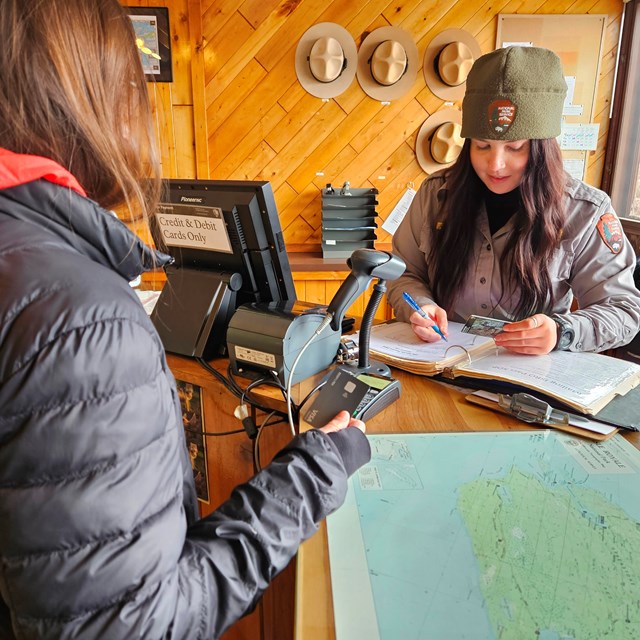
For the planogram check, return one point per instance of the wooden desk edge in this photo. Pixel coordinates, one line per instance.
(314, 615)
(314, 607)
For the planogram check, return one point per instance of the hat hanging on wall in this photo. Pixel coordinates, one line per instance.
(326, 59)
(439, 143)
(447, 62)
(387, 63)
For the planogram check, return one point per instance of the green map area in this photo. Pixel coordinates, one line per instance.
(551, 558)
(507, 536)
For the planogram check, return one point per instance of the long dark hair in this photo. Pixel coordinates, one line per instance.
(537, 234)
(72, 89)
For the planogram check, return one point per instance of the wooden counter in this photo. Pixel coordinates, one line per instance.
(229, 463)
(425, 406)
(298, 603)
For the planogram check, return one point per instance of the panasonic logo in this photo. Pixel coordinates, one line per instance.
(185, 199)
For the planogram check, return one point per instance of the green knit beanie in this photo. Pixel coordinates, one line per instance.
(515, 93)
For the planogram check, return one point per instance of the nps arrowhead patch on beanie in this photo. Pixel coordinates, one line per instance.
(516, 93)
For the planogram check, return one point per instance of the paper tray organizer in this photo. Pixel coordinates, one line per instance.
(348, 221)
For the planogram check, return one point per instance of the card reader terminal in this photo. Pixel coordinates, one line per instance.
(362, 394)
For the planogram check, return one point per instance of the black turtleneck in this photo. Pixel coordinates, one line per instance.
(500, 207)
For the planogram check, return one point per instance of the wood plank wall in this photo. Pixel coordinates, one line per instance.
(263, 125)
(236, 110)
(178, 106)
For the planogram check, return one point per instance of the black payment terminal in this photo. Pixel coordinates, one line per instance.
(362, 394)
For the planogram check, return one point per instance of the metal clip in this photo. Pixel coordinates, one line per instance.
(348, 351)
(530, 409)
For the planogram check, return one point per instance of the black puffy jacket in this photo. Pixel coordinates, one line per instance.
(98, 534)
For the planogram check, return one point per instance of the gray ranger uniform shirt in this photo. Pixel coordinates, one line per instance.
(594, 263)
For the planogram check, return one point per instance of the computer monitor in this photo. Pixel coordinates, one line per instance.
(228, 248)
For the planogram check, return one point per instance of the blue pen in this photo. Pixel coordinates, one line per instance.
(416, 307)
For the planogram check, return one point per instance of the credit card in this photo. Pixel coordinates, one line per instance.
(342, 391)
(481, 326)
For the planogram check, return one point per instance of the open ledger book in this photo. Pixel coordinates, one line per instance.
(586, 382)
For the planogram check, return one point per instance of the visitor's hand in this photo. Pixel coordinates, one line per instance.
(536, 335)
(342, 421)
(422, 327)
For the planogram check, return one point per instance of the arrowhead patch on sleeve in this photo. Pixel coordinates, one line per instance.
(610, 231)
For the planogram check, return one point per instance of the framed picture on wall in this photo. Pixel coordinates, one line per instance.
(191, 404)
(153, 37)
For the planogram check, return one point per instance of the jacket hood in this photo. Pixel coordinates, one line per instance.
(17, 169)
(39, 191)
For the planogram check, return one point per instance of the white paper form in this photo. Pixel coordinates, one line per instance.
(581, 137)
(397, 339)
(579, 379)
(398, 213)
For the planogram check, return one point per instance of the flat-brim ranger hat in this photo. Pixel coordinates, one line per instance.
(448, 59)
(516, 93)
(387, 63)
(439, 143)
(326, 60)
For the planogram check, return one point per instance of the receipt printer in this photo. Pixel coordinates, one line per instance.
(264, 337)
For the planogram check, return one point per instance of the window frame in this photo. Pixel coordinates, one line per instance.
(622, 152)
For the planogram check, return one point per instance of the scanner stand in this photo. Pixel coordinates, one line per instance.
(365, 365)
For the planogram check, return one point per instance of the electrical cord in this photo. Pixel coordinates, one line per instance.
(311, 393)
(276, 382)
(232, 386)
(268, 383)
(213, 434)
(252, 401)
(233, 380)
(216, 374)
(256, 443)
(326, 321)
(242, 413)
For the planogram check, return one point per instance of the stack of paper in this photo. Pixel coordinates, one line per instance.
(585, 382)
(398, 346)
